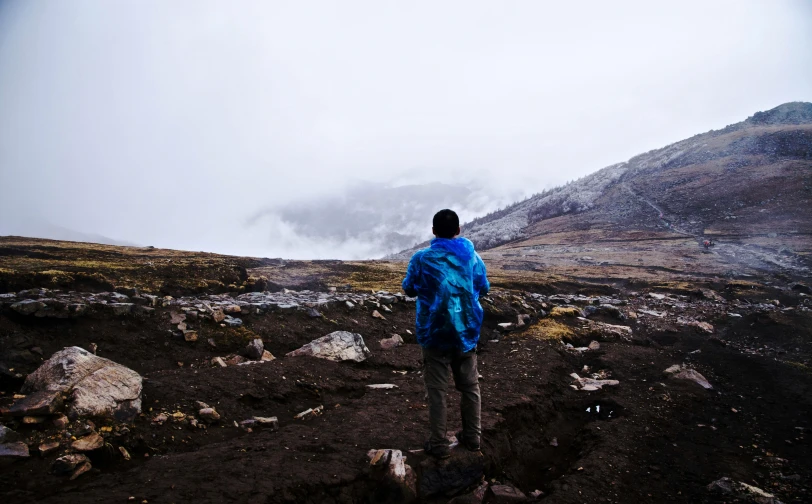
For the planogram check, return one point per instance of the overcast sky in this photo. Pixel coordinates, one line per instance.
(170, 123)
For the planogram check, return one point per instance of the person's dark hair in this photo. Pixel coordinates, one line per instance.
(446, 223)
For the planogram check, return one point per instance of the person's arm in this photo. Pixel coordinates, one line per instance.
(409, 284)
(481, 284)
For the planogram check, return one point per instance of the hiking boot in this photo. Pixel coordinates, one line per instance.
(439, 451)
(474, 447)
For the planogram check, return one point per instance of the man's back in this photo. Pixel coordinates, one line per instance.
(447, 278)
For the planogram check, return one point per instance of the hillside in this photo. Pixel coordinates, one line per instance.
(747, 187)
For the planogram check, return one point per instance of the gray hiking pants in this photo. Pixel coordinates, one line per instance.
(436, 364)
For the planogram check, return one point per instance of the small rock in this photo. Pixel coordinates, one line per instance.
(80, 470)
(684, 373)
(34, 420)
(47, 448)
(313, 313)
(218, 361)
(232, 321)
(235, 360)
(267, 356)
(190, 335)
(209, 414)
(68, 463)
(231, 309)
(217, 315)
(506, 493)
(16, 449)
(8, 435)
(44, 402)
(268, 422)
(554, 442)
(594, 345)
(176, 317)
(349, 305)
(124, 453)
(254, 349)
(589, 384)
(211, 342)
(90, 442)
(382, 386)
(309, 412)
(160, 418)
(506, 326)
(393, 342)
(376, 314)
(738, 489)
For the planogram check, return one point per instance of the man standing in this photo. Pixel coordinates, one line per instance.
(448, 278)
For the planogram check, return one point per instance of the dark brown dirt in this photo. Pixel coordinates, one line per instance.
(654, 439)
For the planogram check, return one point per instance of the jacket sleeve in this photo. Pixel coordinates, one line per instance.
(412, 279)
(481, 284)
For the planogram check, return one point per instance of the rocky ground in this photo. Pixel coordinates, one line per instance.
(686, 390)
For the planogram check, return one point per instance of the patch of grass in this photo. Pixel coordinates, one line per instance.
(800, 366)
(545, 329)
(235, 337)
(565, 311)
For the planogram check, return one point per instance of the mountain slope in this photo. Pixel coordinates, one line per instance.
(749, 184)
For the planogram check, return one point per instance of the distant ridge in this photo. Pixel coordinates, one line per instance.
(731, 160)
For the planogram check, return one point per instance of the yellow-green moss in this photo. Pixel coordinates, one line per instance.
(545, 329)
(565, 311)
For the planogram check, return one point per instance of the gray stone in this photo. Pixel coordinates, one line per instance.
(232, 321)
(504, 494)
(336, 346)
(92, 441)
(740, 490)
(74, 464)
(44, 402)
(48, 448)
(684, 373)
(16, 449)
(314, 313)
(7, 435)
(27, 306)
(209, 414)
(254, 349)
(589, 384)
(605, 332)
(268, 422)
(96, 386)
(393, 342)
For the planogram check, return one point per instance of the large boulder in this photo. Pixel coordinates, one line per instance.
(94, 385)
(336, 346)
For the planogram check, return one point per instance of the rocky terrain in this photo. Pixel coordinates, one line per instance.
(148, 375)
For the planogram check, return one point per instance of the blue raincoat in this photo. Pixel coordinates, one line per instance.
(447, 278)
